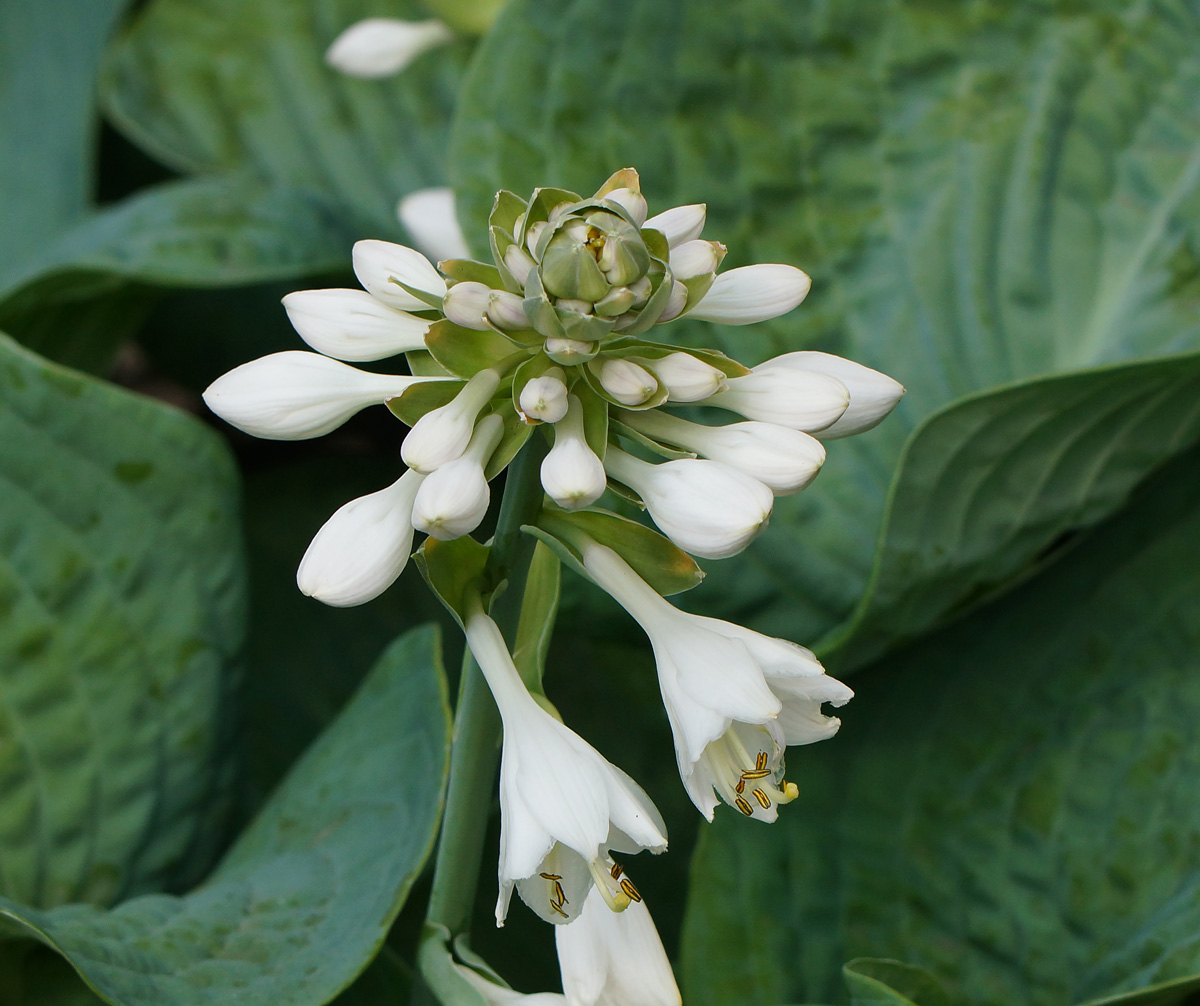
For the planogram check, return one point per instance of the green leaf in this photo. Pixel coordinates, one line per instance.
(122, 608)
(441, 972)
(875, 982)
(463, 351)
(989, 485)
(304, 898)
(539, 608)
(418, 399)
(983, 194)
(1013, 804)
(455, 571)
(219, 86)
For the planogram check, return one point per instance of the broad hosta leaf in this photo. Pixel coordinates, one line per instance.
(874, 982)
(991, 482)
(122, 602)
(304, 898)
(983, 193)
(1013, 805)
(228, 85)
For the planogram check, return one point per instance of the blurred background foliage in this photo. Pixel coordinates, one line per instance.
(999, 204)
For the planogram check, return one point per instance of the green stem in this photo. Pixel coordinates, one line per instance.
(476, 739)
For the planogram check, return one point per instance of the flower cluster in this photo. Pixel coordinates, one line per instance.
(550, 339)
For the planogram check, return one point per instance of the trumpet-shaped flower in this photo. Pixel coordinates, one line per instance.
(296, 395)
(752, 294)
(571, 473)
(735, 698)
(353, 325)
(705, 507)
(429, 216)
(454, 499)
(382, 46)
(442, 434)
(872, 394)
(562, 805)
(384, 269)
(782, 459)
(363, 547)
(798, 399)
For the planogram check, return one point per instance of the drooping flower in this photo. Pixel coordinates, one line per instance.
(563, 807)
(382, 46)
(734, 697)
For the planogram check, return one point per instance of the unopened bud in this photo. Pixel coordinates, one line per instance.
(507, 311)
(798, 399)
(633, 202)
(454, 500)
(380, 46)
(696, 258)
(570, 352)
(641, 291)
(535, 232)
(686, 378)
(466, 303)
(675, 303)
(571, 304)
(618, 300)
(518, 263)
(628, 383)
(568, 267)
(442, 434)
(572, 475)
(545, 397)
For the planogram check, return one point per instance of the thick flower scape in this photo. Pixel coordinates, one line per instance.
(552, 339)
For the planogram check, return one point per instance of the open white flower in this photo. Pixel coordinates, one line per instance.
(453, 500)
(562, 805)
(363, 547)
(353, 325)
(734, 697)
(872, 394)
(429, 215)
(296, 395)
(572, 475)
(705, 507)
(382, 46)
(782, 459)
(608, 959)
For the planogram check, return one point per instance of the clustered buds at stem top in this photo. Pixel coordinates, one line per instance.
(453, 500)
(735, 698)
(382, 46)
(706, 508)
(363, 547)
(562, 805)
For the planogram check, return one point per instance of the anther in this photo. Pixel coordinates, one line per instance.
(757, 774)
(550, 876)
(744, 807)
(629, 889)
(764, 801)
(740, 788)
(760, 763)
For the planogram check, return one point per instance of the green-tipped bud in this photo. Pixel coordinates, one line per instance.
(570, 352)
(619, 249)
(569, 267)
(569, 304)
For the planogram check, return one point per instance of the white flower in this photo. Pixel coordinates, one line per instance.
(872, 394)
(705, 507)
(379, 264)
(442, 434)
(782, 459)
(382, 46)
(797, 399)
(695, 258)
(633, 202)
(752, 294)
(545, 397)
(562, 805)
(686, 378)
(429, 216)
(295, 395)
(454, 499)
(735, 698)
(680, 223)
(362, 548)
(466, 303)
(628, 383)
(353, 325)
(610, 959)
(571, 473)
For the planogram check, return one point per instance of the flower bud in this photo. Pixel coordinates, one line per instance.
(696, 258)
(296, 395)
(617, 301)
(454, 499)
(545, 397)
(534, 232)
(628, 383)
(686, 378)
(783, 460)
(623, 258)
(353, 325)
(518, 263)
(872, 394)
(706, 508)
(441, 435)
(797, 399)
(507, 311)
(634, 203)
(680, 223)
(570, 304)
(572, 475)
(429, 216)
(378, 263)
(570, 352)
(641, 291)
(675, 303)
(466, 303)
(362, 548)
(752, 294)
(569, 268)
(382, 46)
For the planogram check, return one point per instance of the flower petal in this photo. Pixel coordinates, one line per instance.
(378, 263)
(752, 294)
(680, 223)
